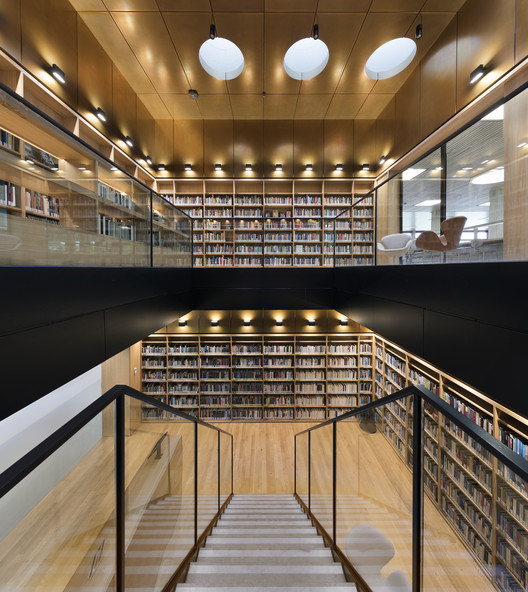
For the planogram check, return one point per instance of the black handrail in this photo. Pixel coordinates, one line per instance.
(25, 465)
(499, 450)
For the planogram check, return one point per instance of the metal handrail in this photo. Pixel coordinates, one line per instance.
(26, 464)
(501, 452)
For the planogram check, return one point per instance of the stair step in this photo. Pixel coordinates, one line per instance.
(204, 568)
(265, 579)
(243, 588)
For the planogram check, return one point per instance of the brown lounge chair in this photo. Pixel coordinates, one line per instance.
(449, 240)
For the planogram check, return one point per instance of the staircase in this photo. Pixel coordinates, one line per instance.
(265, 543)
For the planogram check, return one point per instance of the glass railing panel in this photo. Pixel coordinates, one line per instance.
(57, 526)
(207, 475)
(301, 466)
(171, 235)
(159, 498)
(321, 476)
(226, 467)
(374, 496)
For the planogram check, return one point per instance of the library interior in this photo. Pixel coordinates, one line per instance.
(264, 271)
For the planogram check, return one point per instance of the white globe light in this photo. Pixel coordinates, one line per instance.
(306, 58)
(221, 58)
(390, 58)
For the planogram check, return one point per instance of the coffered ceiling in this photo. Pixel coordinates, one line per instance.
(155, 43)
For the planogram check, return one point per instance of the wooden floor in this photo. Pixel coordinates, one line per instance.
(374, 486)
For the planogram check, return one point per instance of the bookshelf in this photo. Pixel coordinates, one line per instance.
(277, 223)
(483, 502)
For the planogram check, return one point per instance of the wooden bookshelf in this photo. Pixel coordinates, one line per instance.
(483, 502)
(277, 223)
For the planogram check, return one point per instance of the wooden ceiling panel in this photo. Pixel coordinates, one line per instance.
(339, 31)
(443, 5)
(343, 6)
(181, 106)
(148, 38)
(521, 37)
(279, 106)
(282, 30)
(188, 31)
(345, 106)
(215, 107)
(373, 106)
(81, 5)
(188, 147)
(146, 129)
(184, 6)
(248, 148)
(124, 105)
(377, 29)
(109, 36)
(400, 6)
(247, 32)
(312, 106)
(247, 106)
(278, 148)
(131, 5)
(238, 5)
(155, 105)
(218, 148)
(484, 37)
(291, 6)
(10, 28)
(339, 147)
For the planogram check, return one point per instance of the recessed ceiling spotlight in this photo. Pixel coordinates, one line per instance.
(485, 204)
(113, 168)
(214, 322)
(484, 161)
(308, 167)
(278, 168)
(409, 174)
(467, 168)
(365, 167)
(220, 58)
(193, 94)
(128, 141)
(57, 73)
(100, 114)
(29, 161)
(428, 202)
(391, 58)
(438, 168)
(307, 57)
(82, 168)
(54, 168)
(478, 73)
(149, 160)
(188, 167)
(218, 167)
(248, 168)
(182, 322)
(339, 167)
(311, 322)
(382, 160)
(419, 31)
(162, 167)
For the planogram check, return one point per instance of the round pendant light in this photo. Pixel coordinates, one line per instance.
(306, 58)
(220, 57)
(489, 177)
(391, 58)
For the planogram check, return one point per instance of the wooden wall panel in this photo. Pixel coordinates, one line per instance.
(521, 33)
(248, 140)
(438, 82)
(338, 148)
(307, 147)
(189, 147)
(278, 147)
(407, 128)
(125, 106)
(146, 130)
(49, 36)
(10, 39)
(95, 79)
(218, 147)
(163, 152)
(365, 147)
(385, 140)
(485, 36)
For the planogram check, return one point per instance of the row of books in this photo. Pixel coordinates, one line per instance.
(118, 197)
(116, 228)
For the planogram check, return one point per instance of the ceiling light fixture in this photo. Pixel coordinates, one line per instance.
(419, 31)
(279, 322)
(522, 143)
(248, 168)
(478, 73)
(149, 160)
(193, 94)
(128, 141)
(365, 167)
(311, 322)
(382, 160)
(308, 167)
(57, 73)
(485, 204)
(220, 58)
(409, 174)
(247, 322)
(162, 167)
(278, 168)
(339, 167)
(214, 322)
(82, 168)
(391, 58)
(218, 167)
(113, 168)
(343, 322)
(428, 202)
(100, 114)
(182, 323)
(307, 57)
(188, 167)
(489, 177)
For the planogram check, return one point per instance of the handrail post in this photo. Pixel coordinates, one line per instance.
(334, 482)
(310, 471)
(120, 491)
(417, 499)
(195, 484)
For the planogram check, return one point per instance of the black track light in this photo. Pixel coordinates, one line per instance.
(57, 73)
(316, 32)
(212, 32)
(100, 114)
(148, 160)
(478, 73)
(419, 31)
